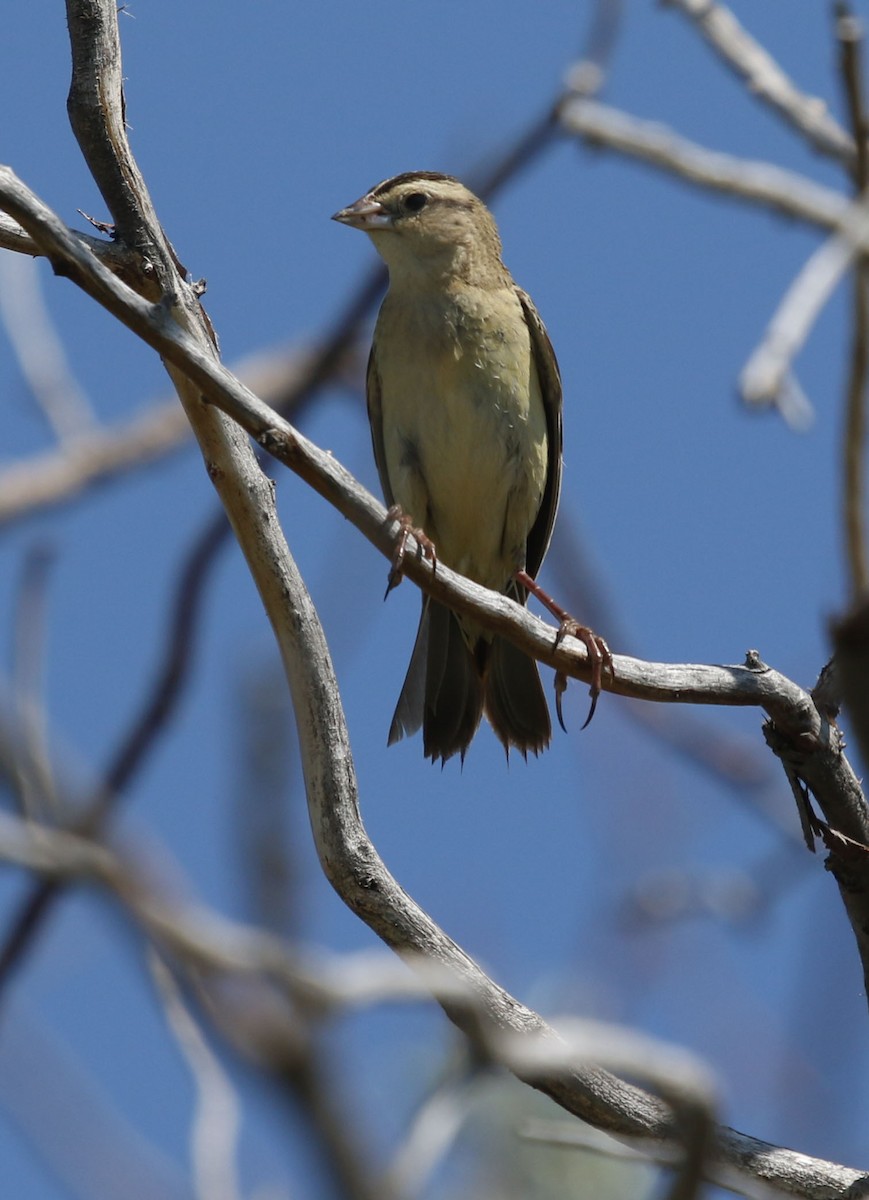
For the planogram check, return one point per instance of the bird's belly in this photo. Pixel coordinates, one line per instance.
(465, 446)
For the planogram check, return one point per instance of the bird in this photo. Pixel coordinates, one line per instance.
(464, 400)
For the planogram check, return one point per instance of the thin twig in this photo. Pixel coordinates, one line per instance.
(39, 351)
(765, 79)
(850, 35)
(214, 1132)
(37, 790)
(765, 377)
(77, 1132)
(657, 145)
(854, 439)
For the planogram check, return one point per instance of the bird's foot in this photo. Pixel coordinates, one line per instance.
(599, 653)
(600, 657)
(406, 529)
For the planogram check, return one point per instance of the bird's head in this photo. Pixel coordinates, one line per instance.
(424, 223)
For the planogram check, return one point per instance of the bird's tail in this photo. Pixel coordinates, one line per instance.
(442, 691)
(514, 700)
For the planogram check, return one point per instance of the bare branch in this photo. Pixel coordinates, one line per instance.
(765, 79)
(657, 145)
(764, 376)
(281, 376)
(792, 709)
(37, 790)
(39, 350)
(61, 474)
(214, 1134)
(850, 36)
(158, 706)
(504, 1030)
(75, 1129)
(177, 329)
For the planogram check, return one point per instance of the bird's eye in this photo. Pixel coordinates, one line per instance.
(415, 201)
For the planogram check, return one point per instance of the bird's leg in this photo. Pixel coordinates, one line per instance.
(599, 653)
(406, 528)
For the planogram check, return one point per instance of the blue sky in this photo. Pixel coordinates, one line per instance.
(712, 529)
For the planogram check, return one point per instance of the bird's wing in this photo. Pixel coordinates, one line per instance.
(375, 419)
(549, 378)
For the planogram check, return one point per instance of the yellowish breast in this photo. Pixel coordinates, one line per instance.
(464, 427)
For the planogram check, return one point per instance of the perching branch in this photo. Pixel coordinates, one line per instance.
(176, 328)
(792, 709)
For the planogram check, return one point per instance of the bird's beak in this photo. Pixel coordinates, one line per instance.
(366, 214)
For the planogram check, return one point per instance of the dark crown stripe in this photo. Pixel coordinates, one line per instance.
(411, 177)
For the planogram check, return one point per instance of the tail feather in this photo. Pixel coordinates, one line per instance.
(409, 710)
(453, 688)
(442, 690)
(515, 703)
(448, 687)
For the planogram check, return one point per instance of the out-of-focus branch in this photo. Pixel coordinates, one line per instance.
(95, 457)
(657, 145)
(851, 642)
(850, 36)
(102, 454)
(215, 1128)
(39, 351)
(158, 706)
(564, 1063)
(854, 440)
(74, 1129)
(34, 773)
(765, 377)
(765, 79)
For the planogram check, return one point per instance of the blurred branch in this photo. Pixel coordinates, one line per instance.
(766, 379)
(102, 454)
(576, 1136)
(39, 351)
(436, 1125)
(850, 36)
(762, 183)
(764, 78)
(159, 705)
(214, 1135)
(564, 1062)
(95, 457)
(75, 1130)
(854, 440)
(34, 773)
(851, 642)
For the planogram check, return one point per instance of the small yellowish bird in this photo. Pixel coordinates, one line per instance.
(464, 400)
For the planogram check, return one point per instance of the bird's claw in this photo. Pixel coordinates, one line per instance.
(406, 529)
(599, 655)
